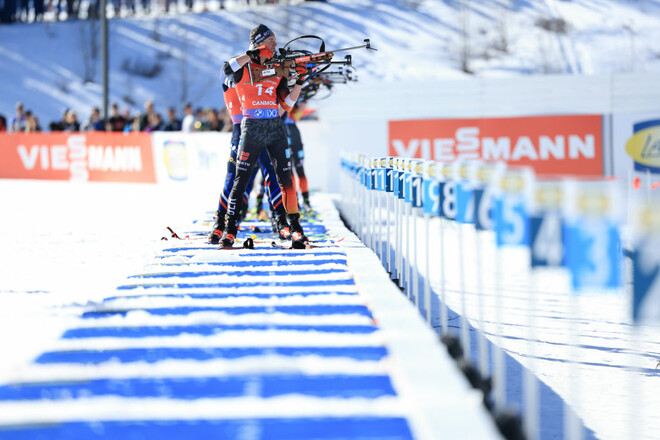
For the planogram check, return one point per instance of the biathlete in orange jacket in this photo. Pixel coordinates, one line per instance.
(262, 127)
(274, 194)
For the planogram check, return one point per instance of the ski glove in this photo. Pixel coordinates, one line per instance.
(261, 51)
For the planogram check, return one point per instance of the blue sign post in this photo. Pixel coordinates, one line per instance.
(591, 236)
(646, 263)
(546, 224)
(487, 176)
(431, 189)
(511, 212)
(447, 191)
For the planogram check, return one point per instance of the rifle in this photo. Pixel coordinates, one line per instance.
(341, 76)
(302, 62)
(325, 81)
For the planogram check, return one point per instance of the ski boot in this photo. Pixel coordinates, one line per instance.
(262, 216)
(243, 213)
(229, 235)
(273, 223)
(307, 210)
(218, 228)
(283, 227)
(298, 238)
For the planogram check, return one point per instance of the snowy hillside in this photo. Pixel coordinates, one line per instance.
(176, 58)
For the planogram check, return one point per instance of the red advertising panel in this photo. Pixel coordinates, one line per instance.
(551, 144)
(94, 157)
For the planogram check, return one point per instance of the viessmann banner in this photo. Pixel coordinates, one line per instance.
(570, 144)
(95, 157)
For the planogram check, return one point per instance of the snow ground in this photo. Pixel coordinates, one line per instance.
(69, 342)
(49, 66)
(60, 251)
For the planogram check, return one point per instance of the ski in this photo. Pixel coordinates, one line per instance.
(306, 246)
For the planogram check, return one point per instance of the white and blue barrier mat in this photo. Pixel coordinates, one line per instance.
(262, 343)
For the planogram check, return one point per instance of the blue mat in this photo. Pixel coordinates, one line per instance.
(190, 388)
(226, 295)
(242, 310)
(242, 273)
(241, 284)
(362, 428)
(152, 355)
(205, 330)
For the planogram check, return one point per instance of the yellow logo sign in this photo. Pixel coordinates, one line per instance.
(176, 160)
(432, 170)
(644, 146)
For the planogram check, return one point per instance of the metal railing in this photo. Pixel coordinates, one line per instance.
(452, 235)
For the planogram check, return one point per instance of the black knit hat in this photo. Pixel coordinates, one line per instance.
(259, 34)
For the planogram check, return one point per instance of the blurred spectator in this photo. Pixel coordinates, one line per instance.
(18, 122)
(8, 11)
(207, 119)
(116, 7)
(132, 124)
(71, 122)
(188, 123)
(93, 9)
(72, 8)
(39, 10)
(149, 108)
(200, 121)
(58, 125)
(117, 122)
(94, 123)
(31, 123)
(23, 12)
(146, 6)
(166, 5)
(213, 122)
(126, 114)
(132, 7)
(173, 124)
(155, 123)
(225, 117)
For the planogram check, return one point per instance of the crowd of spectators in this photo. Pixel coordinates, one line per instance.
(207, 119)
(23, 121)
(39, 10)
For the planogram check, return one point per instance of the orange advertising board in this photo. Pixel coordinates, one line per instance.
(94, 157)
(569, 144)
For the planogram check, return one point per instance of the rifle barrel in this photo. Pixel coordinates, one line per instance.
(349, 48)
(367, 45)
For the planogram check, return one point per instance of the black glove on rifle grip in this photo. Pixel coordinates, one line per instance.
(254, 55)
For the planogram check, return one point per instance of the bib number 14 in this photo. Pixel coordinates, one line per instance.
(269, 90)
